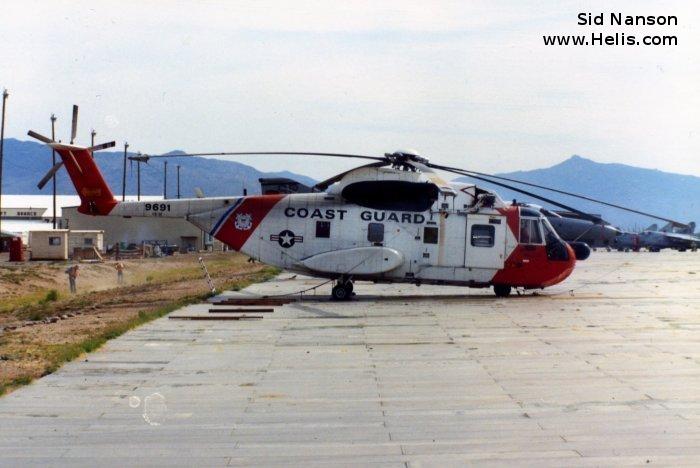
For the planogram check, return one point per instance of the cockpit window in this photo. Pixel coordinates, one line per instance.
(530, 231)
(550, 235)
(527, 211)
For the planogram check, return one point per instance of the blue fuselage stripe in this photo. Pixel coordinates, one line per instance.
(228, 212)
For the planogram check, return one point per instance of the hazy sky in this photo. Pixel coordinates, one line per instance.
(467, 83)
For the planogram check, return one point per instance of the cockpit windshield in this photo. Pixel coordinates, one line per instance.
(530, 231)
(550, 235)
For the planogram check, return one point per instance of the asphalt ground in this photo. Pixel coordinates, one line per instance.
(603, 369)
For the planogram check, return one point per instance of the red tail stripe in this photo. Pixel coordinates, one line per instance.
(245, 219)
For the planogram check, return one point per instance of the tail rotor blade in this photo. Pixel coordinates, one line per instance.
(101, 146)
(74, 124)
(39, 137)
(49, 175)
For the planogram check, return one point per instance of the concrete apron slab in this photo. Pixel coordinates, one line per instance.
(605, 374)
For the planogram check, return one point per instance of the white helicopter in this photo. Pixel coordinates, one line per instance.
(393, 220)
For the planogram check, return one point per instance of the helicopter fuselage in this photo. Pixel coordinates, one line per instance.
(376, 223)
(322, 235)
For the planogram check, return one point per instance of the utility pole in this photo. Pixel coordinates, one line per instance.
(138, 180)
(165, 180)
(2, 144)
(178, 181)
(92, 141)
(126, 145)
(53, 163)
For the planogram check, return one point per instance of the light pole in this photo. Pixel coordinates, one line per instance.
(126, 145)
(178, 181)
(2, 144)
(92, 141)
(165, 180)
(53, 163)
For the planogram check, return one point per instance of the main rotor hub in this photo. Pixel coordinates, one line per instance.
(401, 157)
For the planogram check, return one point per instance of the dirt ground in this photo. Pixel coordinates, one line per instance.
(41, 333)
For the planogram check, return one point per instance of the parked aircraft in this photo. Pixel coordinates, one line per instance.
(655, 239)
(670, 237)
(392, 220)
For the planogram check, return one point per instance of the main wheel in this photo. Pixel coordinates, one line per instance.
(340, 292)
(501, 290)
(349, 286)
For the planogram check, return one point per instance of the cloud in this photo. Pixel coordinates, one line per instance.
(465, 82)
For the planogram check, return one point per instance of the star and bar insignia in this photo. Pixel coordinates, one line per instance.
(286, 238)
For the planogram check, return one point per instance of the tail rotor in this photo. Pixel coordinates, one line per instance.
(73, 133)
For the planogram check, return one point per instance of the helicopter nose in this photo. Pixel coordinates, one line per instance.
(611, 232)
(581, 250)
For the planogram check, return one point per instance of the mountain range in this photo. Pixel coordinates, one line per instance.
(26, 162)
(674, 196)
(666, 194)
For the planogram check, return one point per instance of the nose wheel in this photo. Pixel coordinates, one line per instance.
(342, 291)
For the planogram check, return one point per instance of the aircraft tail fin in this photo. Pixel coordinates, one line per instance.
(688, 230)
(96, 198)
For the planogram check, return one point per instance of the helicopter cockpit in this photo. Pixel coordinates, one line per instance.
(535, 229)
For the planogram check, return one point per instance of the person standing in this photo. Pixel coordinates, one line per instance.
(72, 272)
(119, 266)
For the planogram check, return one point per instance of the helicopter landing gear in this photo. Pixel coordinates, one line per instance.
(342, 291)
(501, 290)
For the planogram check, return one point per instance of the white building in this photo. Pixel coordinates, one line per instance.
(127, 231)
(135, 231)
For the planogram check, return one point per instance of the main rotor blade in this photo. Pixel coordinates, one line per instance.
(587, 216)
(39, 137)
(49, 175)
(576, 195)
(255, 153)
(101, 146)
(74, 124)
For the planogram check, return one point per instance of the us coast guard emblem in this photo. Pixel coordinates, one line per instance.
(243, 221)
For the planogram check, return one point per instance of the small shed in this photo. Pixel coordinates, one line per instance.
(5, 238)
(49, 245)
(86, 239)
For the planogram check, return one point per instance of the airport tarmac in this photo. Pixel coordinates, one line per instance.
(606, 374)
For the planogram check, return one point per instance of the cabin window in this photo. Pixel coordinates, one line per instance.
(483, 235)
(530, 231)
(54, 241)
(375, 232)
(430, 235)
(323, 229)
